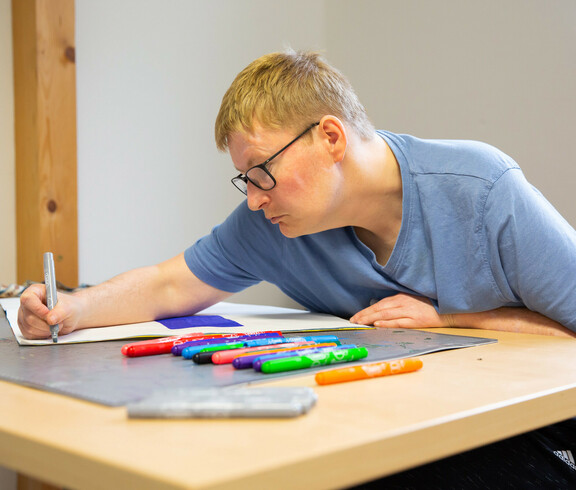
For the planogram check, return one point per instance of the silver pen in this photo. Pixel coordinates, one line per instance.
(51, 293)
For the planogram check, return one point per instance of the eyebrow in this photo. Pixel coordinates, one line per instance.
(250, 164)
(281, 150)
(249, 167)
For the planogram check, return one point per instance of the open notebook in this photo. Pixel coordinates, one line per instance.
(220, 318)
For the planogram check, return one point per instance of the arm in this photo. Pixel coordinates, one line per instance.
(407, 311)
(531, 251)
(144, 294)
(521, 320)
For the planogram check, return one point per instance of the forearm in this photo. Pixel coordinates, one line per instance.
(165, 290)
(145, 294)
(127, 298)
(519, 320)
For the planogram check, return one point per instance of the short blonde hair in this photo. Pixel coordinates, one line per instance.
(288, 90)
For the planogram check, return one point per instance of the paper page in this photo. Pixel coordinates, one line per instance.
(252, 318)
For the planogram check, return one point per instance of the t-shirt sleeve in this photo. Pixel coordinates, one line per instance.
(531, 249)
(237, 254)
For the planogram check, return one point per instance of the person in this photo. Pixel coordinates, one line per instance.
(382, 228)
(385, 229)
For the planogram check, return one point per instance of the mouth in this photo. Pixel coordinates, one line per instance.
(276, 219)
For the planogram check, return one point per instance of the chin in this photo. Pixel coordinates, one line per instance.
(295, 232)
(289, 232)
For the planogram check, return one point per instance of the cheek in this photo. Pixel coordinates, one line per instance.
(313, 196)
(295, 186)
(310, 184)
(302, 191)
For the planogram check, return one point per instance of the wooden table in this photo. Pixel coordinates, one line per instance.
(358, 431)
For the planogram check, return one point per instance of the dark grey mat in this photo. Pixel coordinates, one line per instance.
(98, 372)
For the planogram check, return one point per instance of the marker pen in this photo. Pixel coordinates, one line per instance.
(245, 361)
(314, 360)
(257, 364)
(374, 370)
(190, 352)
(205, 355)
(163, 345)
(226, 357)
(283, 340)
(51, 292)
(177, 349)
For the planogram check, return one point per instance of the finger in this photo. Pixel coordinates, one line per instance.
(361, 315)
(34, 317)
(33, 299)
(397, 323)
(34, 303)
(31, 326)
(369, 317)
(381, 309)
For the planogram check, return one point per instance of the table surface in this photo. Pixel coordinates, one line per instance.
(357, 432)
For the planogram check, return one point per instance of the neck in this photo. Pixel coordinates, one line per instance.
(374, 201)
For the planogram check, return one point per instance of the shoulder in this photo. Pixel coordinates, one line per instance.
(465, 158)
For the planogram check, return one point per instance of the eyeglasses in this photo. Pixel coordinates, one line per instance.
(259, 175)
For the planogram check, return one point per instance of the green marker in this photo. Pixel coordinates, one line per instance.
(314, 360)
(235, 345)
(189, 352)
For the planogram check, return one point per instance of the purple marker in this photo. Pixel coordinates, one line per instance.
(245, 362)
(178, 348)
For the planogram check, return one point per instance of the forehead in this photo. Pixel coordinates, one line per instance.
(249, 148)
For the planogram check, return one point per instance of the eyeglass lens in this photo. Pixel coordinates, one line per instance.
(258, 175)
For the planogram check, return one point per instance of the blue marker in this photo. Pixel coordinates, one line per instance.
(319, 339)
(190, 352)
(178, 348)
(197, 346)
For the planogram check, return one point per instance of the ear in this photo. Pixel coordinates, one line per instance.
(333, 136)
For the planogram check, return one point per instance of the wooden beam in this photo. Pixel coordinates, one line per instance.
(29, 483)
(45, 133)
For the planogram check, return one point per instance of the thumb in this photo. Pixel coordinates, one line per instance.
(60, 312)
(53, 317)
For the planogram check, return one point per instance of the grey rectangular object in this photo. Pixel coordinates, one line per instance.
(229, 402)
(98, 372)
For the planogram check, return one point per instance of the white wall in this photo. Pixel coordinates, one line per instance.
(150, 78)
(499, 71)
(7, 192)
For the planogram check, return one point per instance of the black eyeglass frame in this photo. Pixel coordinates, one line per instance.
(241, 180)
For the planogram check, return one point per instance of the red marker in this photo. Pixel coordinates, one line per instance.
(164, 345)
(157, 346)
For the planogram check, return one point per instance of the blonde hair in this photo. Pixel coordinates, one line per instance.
(288, 90)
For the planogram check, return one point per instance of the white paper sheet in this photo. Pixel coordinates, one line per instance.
(253, 318)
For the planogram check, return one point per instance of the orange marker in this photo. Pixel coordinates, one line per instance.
(373, 370)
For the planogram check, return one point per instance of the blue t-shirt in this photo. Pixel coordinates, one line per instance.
(475, 236)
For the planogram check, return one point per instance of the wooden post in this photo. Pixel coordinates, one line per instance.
(45, 131)
(29, 483)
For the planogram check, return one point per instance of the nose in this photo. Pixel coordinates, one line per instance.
(257, 198)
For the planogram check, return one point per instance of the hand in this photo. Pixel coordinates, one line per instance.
(402, 311)
(34, 317)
